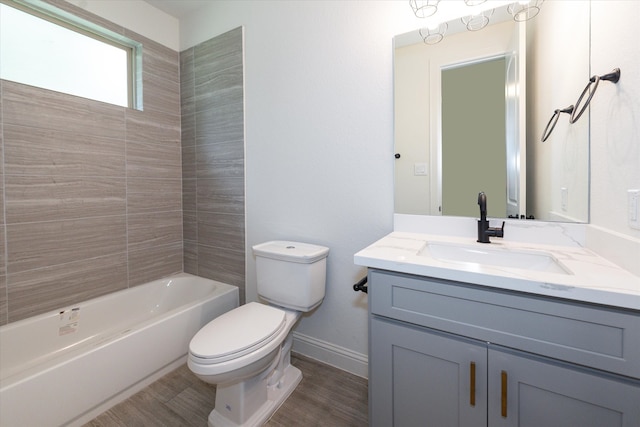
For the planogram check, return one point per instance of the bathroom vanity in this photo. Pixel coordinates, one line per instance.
(461, 334)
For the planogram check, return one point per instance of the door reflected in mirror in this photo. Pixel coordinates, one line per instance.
(473, 94)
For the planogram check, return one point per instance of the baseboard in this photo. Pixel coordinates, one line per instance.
(331, 354)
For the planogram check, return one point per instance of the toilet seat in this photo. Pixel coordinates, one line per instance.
(236, 333)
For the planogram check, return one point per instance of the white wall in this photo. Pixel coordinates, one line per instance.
(615, 112)
(558, 68)
(615, 130)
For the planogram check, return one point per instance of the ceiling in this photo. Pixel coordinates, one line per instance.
(178, 8)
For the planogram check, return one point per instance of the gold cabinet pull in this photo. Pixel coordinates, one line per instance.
(503, 381)
(472, 384)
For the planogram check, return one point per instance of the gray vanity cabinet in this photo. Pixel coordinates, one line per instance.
(451, 354)
(422, 378)
(534, 392)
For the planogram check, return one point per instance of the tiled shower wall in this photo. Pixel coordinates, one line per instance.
(91, 196)
(213, 159)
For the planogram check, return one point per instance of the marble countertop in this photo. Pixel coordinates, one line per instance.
(587, 277)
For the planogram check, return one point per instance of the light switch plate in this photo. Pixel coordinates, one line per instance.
(419, 169)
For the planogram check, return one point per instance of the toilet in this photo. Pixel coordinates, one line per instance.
(246, 351)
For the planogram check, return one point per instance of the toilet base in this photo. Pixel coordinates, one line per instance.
(267, 399)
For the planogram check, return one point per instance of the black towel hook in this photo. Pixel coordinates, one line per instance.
(554, 119)
(613, 77)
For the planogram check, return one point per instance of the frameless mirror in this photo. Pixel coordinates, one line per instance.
(470, 112)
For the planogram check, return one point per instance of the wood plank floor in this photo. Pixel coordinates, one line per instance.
(326, 397)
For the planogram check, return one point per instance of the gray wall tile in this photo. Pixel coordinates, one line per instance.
(160, 94)
(150, 263)
(187, 97)
(93, 191)
(223, 195)
(220, 123)
(36, 151)
(153, 159)
(152, 126)
(190, 226)
(213, 159)
(222, 264)
(4, 309)
(36, 245)
(148, 195)
(221, 230)
(33, 107)
(222, 88)
(160, 61)
(188, 161)
(3, 257)
(218, 53)
(51, 198)
(189, 199)
(223, 160)
(190, 257)
(187, 81)
(155, 229)
(37, 291)
(188, 128)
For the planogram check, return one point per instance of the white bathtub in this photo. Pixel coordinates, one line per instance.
(67, 366)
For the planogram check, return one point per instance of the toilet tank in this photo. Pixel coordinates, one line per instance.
(291, 274)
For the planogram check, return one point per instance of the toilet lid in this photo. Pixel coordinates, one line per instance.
(237, 330)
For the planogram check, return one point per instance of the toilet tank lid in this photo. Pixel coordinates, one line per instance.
(304, 253)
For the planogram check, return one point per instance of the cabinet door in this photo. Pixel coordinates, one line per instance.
(422, 378)
(531, 392)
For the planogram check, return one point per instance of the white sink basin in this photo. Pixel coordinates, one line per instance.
(483, 254)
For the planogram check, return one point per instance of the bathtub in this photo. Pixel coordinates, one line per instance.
(66, 367)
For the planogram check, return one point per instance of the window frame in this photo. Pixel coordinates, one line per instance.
(69, 21)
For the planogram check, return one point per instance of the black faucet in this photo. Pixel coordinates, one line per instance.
(484, 231)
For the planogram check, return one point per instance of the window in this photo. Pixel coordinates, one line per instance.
(49, 48)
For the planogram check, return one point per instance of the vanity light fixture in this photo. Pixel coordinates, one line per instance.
(478, 18)
(424, 8)
(524, 10)
(473, 2)
(478, 21)
(434, 34)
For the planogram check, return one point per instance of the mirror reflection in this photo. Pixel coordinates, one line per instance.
(471, 109)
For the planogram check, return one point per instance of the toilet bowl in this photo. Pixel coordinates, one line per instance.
(240, 343)
(246, 351)
(245, 354)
